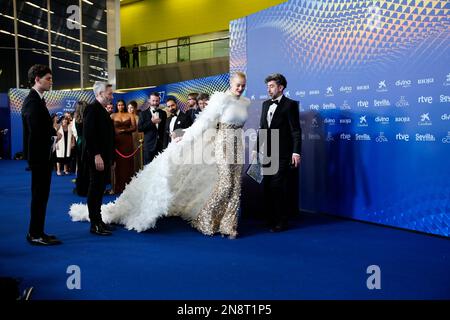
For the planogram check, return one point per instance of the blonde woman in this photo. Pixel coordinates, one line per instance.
(187, 179)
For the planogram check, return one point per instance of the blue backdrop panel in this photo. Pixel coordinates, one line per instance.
(58, 102)
(373, 81)
(179, 90)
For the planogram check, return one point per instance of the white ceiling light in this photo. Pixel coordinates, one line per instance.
(58, 33)
(36, 6)
(68, 69)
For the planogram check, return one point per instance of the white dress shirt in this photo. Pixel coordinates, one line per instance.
(173, 121)
(155, 114)
(272, 109)
(41, 95)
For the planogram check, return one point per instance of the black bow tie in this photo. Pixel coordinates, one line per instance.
(277, 102)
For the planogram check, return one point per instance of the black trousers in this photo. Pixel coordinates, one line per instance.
(150, 155)
(96, 190)
(293, 191)
(41, 177)
(82, 181)
(276, 194)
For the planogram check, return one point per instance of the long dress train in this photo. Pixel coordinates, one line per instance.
(187, 179)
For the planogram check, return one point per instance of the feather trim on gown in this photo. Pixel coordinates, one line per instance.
(177, 182)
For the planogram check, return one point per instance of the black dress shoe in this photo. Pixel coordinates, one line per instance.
(275, 229)
(279, 227)
(49, 236)
(109, 192)
(107, 227)
(42, 241)
(99, 230)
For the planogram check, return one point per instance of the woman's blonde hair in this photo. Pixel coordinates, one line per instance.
(238, 74)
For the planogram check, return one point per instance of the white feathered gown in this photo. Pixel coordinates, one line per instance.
(178, 181)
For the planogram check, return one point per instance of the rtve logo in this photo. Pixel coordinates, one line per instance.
(423, 99)
(402, 137)
(363, 103)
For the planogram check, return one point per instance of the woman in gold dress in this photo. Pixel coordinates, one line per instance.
(197, 178)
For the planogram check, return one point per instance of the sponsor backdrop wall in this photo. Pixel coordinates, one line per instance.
(373, 81)
(59, 101)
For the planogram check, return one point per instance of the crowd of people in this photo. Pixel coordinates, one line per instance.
(128, 138)
(124, 57)
(106, 143)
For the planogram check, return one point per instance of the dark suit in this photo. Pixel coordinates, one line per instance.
(193, 113)
(37, 147)
(98, 134)
(182, 121)
(280, 201)
(153, 135)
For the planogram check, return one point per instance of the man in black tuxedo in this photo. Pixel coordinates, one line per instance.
(192, 109)
(177, 121)
(98, 153)
(152, 122)
(38, 138)
(281, 147)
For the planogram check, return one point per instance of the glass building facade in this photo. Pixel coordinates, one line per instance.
(68, 35)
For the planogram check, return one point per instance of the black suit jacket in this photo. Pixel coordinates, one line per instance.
(37, 130)
(193, 113)
(98, 134)
(153, 136)
(183, 121)
(286, 120)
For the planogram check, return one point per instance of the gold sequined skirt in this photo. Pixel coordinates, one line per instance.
(219, 214)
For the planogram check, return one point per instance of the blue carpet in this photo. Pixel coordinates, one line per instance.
(320, 257)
